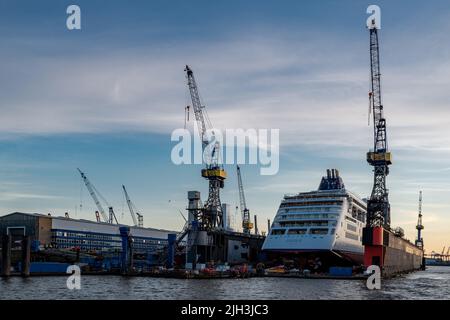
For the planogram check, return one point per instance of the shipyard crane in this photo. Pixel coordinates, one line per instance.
(138, 219)
(419, 227)
(95, 194)
(246, 224)
(378, 207)
(210, 216)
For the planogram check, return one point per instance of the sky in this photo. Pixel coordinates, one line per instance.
(106, 99)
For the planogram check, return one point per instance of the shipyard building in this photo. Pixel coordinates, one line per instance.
(47, 231)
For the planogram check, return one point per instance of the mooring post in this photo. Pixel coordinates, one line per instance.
(26, 256)
(125, 255)
(171, 239)
(6, 255)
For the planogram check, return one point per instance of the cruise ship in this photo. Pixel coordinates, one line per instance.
(326, 223)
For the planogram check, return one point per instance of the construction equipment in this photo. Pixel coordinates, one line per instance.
(419, 226)
(138, 219)
(247, 226)
(443, 250)
(210, 216)
(378, 207)
(95, 194)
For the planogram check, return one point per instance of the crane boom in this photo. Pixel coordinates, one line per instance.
(246, 224)
(378, 208)
(196, 104)
(130, 206)
(92, 192)
(202, 119)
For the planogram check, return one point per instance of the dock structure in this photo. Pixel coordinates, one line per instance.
(26, 256)
(6, 255)
(217, 245)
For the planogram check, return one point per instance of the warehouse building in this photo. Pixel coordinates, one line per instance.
(86, 235)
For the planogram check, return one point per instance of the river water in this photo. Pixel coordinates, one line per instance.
(434, 283)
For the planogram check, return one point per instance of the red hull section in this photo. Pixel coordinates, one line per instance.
(392, 253)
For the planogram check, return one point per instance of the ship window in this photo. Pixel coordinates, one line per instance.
(351, 236)
(278, 231)
(351, 219)
(351, 227)
(297, 231)
(318, 231)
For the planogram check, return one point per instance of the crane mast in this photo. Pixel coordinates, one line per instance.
(419, 227)
(94, 192)
(246, 224)
(378, 207)
(211, 216)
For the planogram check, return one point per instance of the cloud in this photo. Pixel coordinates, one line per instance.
(8, 196)
(246, 82)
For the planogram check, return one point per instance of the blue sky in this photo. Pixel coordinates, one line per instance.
(106, 99)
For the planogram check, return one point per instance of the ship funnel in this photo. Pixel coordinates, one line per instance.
(332, 181)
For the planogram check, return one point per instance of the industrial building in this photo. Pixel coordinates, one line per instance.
(66, 233)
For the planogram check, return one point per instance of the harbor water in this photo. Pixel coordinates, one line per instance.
(434, 283)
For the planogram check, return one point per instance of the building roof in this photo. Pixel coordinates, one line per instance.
(80, 220)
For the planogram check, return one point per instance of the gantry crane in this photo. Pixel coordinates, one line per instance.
(378, 207)
(94, 193)
(138, 219)
(210, 216)
(246, 224)
(419, 227)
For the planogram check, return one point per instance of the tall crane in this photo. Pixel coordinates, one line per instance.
(95, 194)
(419, 226)
(211, 214)
(378, 207)
(138, 219)
(246, 223)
